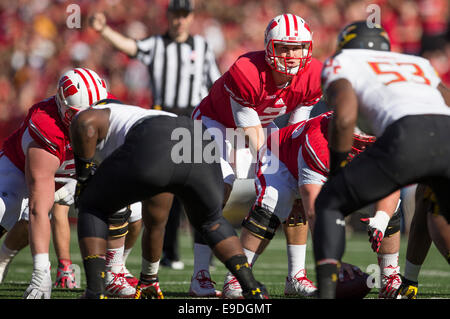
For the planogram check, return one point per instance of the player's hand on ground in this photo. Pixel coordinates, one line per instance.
(376, 226)
(351, 270)
(98, 21)
(40, 286)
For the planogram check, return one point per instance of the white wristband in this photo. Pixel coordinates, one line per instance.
(41, 261)
(381, 220)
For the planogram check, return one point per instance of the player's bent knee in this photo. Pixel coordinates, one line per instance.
(213, 233)
(117, 231)
(261, 223)
(118, 223)
(120, 217)
(92, 224)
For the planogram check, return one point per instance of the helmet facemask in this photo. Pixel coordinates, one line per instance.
(289, 57)
(67, 112)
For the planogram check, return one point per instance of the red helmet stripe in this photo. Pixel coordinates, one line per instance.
(273, 25)
(286, 20)
(95, 83)
(87, 85)
(295, 26)
(307, 27)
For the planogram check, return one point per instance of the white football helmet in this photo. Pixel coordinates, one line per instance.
(77, 90)
(288, 29)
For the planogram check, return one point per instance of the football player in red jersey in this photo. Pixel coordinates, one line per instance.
(303, 167)
(32, 160)
(259, 87)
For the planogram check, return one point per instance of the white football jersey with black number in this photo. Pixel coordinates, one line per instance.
(388, 85)
(122, 117)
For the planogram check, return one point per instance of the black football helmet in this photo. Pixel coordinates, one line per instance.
(358, 35)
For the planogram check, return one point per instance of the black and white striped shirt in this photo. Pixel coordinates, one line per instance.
(181, 74)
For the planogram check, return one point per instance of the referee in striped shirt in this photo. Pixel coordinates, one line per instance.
(181, 66)
(182, 69)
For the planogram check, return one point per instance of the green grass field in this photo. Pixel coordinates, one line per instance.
(271, 269)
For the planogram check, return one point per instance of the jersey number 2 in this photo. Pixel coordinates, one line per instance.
(399, 71)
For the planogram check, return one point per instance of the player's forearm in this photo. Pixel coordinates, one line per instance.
(256, 137)
(342, 98)
(61, 231)
(39, 230)
(445, 92)
(84, 136)
(40, 169)
(40, 204)
(308, 194)
(119, 41)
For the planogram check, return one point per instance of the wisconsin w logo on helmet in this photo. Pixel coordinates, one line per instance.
(77, 90)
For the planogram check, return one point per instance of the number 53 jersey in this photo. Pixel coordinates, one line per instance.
(388, 85)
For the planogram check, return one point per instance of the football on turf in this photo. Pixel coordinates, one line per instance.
(355, 288)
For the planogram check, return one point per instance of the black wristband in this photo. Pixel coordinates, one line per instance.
(337, 160)
(83, 168)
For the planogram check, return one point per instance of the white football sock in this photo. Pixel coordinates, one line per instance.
(149, 268)
(114, 259)
(251, 256)
(296, 259)
(388, 264)
(41, 261)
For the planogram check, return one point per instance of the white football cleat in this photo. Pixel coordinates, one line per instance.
(231, 288)
(117, 286)
(177, 265)
(390, 286)
(203, 286)
(299, 285)
(40, 286)
(133, 281)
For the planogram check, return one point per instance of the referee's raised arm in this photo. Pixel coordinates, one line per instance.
(119, 41)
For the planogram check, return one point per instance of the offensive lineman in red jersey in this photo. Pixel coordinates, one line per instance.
(301, 151)
(32, 160)
(259, 87)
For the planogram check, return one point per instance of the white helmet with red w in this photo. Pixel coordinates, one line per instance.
(288, 30)
(77, 90)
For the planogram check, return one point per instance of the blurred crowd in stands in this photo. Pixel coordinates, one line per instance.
(37, 45)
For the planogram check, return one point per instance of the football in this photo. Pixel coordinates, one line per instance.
(355, 288)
